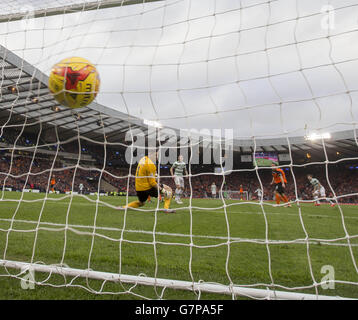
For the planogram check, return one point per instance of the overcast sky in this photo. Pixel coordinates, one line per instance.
(179, 63)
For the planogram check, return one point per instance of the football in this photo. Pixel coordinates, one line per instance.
(74, 82)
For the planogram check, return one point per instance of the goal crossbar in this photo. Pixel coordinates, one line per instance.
(167, 283)
(89, 6)
(238, 193)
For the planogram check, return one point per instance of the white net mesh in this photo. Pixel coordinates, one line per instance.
(256, 79)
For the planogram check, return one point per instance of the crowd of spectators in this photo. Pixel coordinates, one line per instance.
(18, 170)
(22, 172)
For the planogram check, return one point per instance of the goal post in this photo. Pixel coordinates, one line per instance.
(260, 93)
(166, 283)
(29, 12)
(236, 195)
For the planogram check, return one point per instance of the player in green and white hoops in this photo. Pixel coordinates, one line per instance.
(318, 190)
(178, 170)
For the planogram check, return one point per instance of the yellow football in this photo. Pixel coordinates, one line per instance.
(74, 82)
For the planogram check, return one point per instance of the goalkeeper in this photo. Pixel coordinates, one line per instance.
(146, 184)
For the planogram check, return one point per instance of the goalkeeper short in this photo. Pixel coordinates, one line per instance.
(279, 188)
(143, 195)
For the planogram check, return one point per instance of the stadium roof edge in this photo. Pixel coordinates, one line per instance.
(129, 122)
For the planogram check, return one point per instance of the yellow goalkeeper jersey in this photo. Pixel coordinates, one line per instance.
(145, 175)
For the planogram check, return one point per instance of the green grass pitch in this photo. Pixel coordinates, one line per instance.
(158, 244)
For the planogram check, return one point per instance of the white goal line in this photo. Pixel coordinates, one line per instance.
(72, 227)
(103, 204)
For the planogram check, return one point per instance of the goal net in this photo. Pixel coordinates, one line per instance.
(260, 92)
(236, 195)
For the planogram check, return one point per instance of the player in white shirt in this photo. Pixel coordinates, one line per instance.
(178, 170)
(213, 190)
(318, 191)
(81, 188)
(259, 193)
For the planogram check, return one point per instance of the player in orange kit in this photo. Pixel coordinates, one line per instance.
(279, 179)
(241, 192)
(53, 182)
